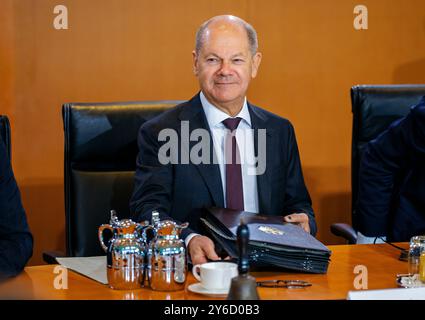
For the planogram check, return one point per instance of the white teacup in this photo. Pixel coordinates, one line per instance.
(215, 275)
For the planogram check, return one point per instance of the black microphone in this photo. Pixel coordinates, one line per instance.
(403, 252)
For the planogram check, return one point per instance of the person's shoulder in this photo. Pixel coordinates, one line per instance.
(167, 119)
(5, 168)
(168, 116)
(3, 151)
(418, 111)
(271, 118)
(397, 129)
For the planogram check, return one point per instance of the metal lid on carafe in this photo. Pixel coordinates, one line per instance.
(166, 228)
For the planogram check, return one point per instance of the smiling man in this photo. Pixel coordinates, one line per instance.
(225, 60)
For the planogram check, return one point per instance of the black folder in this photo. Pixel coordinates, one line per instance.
(272, 242)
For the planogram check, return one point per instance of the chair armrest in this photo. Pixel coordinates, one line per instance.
(50, 256)
(346, 231)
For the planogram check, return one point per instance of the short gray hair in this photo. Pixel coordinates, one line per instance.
(250, 31)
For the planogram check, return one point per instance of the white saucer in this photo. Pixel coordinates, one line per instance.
(198, 288)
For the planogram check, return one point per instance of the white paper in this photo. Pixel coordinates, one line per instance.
(92, 267)
(388, 294)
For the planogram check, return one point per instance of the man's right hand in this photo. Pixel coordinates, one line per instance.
(201, 248)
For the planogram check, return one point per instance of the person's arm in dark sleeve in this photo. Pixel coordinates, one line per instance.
(297, 198)
(16, 242)
(153, 180)
(384, 159)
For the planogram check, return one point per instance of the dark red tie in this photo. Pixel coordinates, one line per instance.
(234, 187)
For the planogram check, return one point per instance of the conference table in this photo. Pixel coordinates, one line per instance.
(347, 262)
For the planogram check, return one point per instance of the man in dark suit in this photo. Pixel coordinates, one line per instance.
(392, 180)
(250, 159)
(16, 241)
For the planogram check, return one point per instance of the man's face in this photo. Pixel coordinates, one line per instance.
(225, 65)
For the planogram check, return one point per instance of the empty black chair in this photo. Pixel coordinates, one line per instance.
(374, 109)
(100, 161)
(5, 134)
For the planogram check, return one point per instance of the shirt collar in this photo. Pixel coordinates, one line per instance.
(215, 116)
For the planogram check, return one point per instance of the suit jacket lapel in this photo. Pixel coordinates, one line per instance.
(258, 121)
(194, 113)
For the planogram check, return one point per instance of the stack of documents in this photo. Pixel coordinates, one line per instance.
(272, 242)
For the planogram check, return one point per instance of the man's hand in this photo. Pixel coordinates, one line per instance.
(300, 219)
(201, 248)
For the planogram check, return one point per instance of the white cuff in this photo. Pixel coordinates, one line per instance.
(189, 237)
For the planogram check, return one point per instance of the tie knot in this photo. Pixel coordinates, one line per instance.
(232, 123)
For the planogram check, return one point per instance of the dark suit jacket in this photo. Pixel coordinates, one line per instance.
(392, 180)
(16, 241)
(175, 190)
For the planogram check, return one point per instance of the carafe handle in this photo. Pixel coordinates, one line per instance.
(102, 228)
(142, 228)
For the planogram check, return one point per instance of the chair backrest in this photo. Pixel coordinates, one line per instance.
(5, 134)
(100, 160)
(374, 108)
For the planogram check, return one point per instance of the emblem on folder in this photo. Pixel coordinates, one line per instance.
(271, 230)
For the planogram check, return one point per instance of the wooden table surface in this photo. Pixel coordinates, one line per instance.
(381, 261)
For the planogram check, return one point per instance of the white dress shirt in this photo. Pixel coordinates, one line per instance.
(362, 239)
(245, 141)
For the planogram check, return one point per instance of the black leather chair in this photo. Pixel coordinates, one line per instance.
(100, 160)
(374, 109)
(5, 134)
